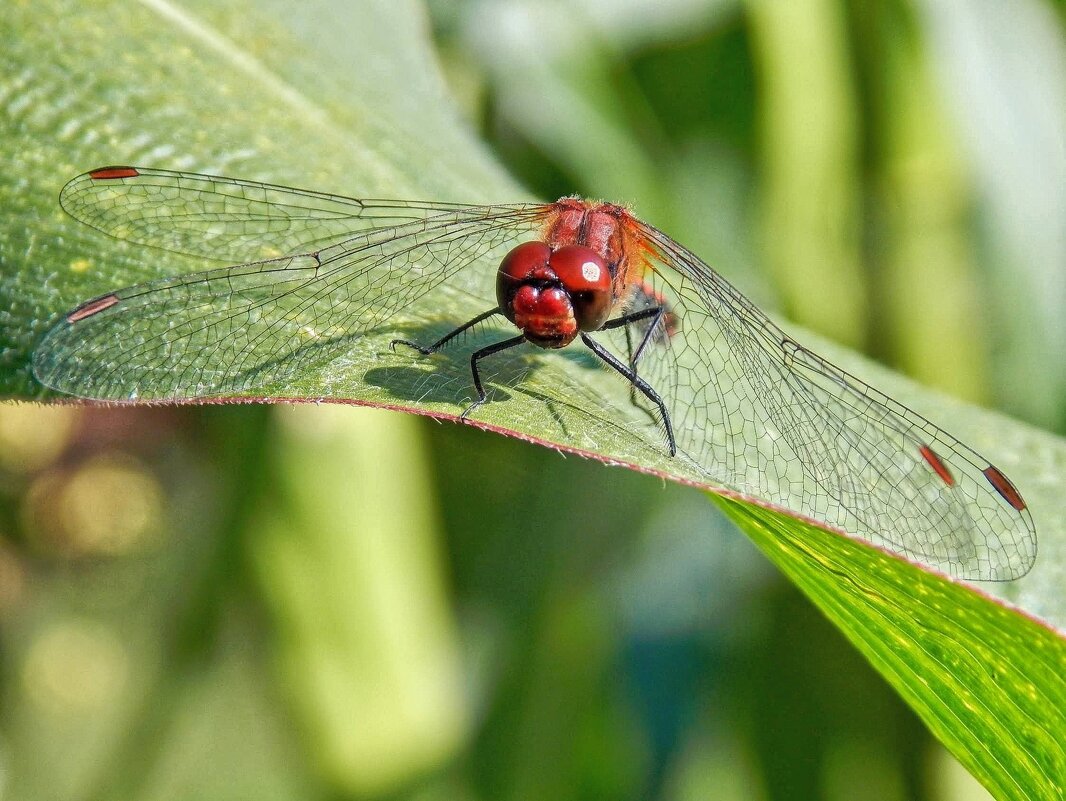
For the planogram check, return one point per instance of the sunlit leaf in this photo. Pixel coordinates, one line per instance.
(987, 680)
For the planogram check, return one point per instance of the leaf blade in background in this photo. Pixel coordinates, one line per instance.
(987, 57)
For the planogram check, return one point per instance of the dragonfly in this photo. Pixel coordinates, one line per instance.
(730, 396)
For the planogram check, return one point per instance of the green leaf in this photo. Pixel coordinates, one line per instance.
(231, 90)
(987, 680)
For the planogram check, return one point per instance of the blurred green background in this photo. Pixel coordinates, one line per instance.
(341, 603)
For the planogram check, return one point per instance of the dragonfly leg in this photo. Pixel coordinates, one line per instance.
(637, 382)
(477, 356)
(657, 313)
(425, 350)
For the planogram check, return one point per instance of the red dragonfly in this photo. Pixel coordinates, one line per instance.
(730, 396)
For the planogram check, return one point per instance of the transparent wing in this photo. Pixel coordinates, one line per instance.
(237, 329)
(756, 411)
(751, 408)
(227, 219)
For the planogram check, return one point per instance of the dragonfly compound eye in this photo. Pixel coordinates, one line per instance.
(516, 269)
(587, 280)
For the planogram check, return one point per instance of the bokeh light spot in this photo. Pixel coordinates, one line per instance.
(75, 667)
(110, 507)
(33, 436)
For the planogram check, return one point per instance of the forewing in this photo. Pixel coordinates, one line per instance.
(237, 330)
(227, 219)
(757, 412)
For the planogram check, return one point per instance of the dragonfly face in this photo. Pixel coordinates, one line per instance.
(552, 295)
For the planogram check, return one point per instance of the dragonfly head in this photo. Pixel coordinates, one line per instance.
(552, 295)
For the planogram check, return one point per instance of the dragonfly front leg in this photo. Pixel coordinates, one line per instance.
(426, 350)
